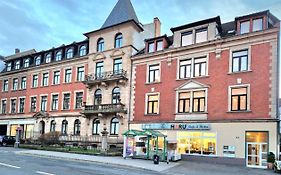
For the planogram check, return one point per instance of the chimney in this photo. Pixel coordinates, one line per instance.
(157, 27)
(17, 50)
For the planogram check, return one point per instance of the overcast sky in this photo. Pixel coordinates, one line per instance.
(43, 24)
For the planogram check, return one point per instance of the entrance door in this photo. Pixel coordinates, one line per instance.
(257, 155)
(42, 127)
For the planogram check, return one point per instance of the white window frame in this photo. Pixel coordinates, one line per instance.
(63, 93)
(239, 48)
(64, 74)
(76, 76)
(2, 105)
(10, 110)
(37, 81)
(3, 85)
(42, 78)
(17, 65)
(19, 104)
(248, 96)
(147, 72)
(51, 104)
(13, 88)
(40, 100)
(74, 96)
(146, 102)
(36, 107)
(21, 82)
(53, 77)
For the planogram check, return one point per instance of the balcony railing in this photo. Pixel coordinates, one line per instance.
(104, 108)
(105, 77)
(88, 139)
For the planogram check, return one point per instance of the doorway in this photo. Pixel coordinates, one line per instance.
(42, 127)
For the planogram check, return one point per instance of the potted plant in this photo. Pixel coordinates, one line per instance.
(270, 160)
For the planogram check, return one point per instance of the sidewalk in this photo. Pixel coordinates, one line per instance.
(137, 163)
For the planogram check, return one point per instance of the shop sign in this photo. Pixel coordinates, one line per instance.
(177, 126)
(228, 151)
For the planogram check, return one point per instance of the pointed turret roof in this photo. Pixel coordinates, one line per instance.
(122, 12)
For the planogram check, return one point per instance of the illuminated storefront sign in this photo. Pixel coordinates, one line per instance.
(177, 126)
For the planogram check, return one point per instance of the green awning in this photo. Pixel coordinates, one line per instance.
(153, 133)
(132, 132)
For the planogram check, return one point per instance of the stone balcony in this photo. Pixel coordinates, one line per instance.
(103, 109)
(106, 77)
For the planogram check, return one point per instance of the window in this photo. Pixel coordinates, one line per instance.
(26, 63)
(240, 61)
(79, 100)
(48, 58)
(116, 95)
(21, 105)
(118, 40)
(117, 67)
(154, 73)
(58, 55)
(83, 51)
(152, 104)
(184, 102)
(96, 127)
(239, 99)
(66, 101)
(201, 35)
(33, 104)
(13, 106)
(55, 102)
(150, 47)
(4, 107)
(80, 73)
(186, 38)
(37, 60)
(56, 78)
(245, 27)
(257, 24)
(77, 125)
(53, 126)
(198, 101)
(43, 103)
(67, 75)
(5, 85)
(9, 66)
(23, 82)
(35, 81)
(200, 67)
(99, 70)
(64, 126)
(17, 65)
(45, 79)
(114, 126)
(15, 84)
(159, 45)
(69, 53)
(98, 97)
(185, 68)
(100, 45)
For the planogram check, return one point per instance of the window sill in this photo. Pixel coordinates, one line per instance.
(14, 90)
(191, 113)
(247, 111)
(233, 73)
(43, 86)
(22, 89)
(55, 84)
(54, 110)
(34, 87)
(67, 82)
(151, 114)
(205, 76)
(5, 91)
(66, 109)
(149, 83)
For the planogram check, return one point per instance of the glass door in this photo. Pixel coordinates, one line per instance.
(257, 155)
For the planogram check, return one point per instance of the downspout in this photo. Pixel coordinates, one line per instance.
(130, 93)
(277, 93)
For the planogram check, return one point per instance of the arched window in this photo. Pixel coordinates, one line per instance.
(116, 95)
(58, 56)
(69, 53)
(77, 125)
(100, 45)
(48, 58)
(42, 127)
(82, 51)
(64, 127)
(37, 60)
(96, 126)
(114, 126)
(53, 126)
(118, 40)
(98, 97)
(26, 62)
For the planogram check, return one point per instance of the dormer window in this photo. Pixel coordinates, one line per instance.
(244, 27)
(100, 45)
(159, 45)
(118, 40)
(69, 53)
(37, 60)
(201, 35)
(257, 24)
(58, 55)
(83, 50)
(151, 47)
(17, 65)
(48, 58)
(9, 66)
(186, 38)
(26, 63)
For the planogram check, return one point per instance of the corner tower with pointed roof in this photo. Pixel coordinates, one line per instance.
(109, 69)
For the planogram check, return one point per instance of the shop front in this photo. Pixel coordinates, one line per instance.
(27, 127)
(239, 143)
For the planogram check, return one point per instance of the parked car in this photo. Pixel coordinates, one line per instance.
(277, 166)
(7, 140)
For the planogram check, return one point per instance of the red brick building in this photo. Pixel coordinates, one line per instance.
(212, 88)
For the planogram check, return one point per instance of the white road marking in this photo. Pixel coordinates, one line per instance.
(44, 173)
(7, 165)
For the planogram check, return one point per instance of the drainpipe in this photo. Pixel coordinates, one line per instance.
(130, 93)
(277, 93)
